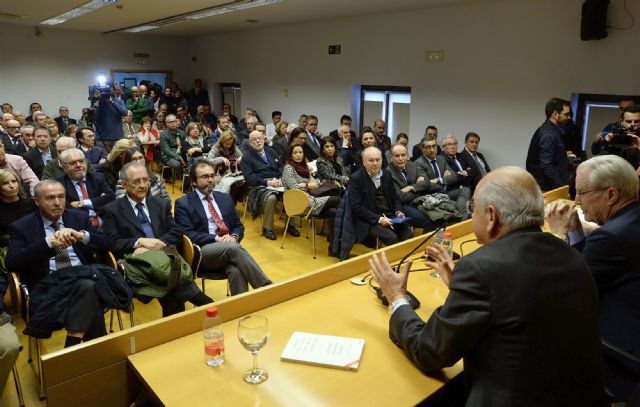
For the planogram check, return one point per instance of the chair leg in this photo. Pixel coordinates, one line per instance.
(131, 322)
(120, 325)
(41, 391)
(313, 238)
(245, 202)
(16, 380)
(284, 235)
(111, 321)
(202, 283)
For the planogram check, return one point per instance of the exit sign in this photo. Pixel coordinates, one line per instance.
(334, 49)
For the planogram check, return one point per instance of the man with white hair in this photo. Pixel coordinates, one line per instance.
(137, 105)
(607, 192)
(63, 121)
(13, 139)
(521, 310)
(54, 168)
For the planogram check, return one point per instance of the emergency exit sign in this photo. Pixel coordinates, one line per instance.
(334, 49)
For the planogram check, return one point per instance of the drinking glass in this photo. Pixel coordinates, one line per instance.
(253, 333)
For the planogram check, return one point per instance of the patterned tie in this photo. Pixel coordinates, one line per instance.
(144, 221)
(85, 195)
(222, 229)
(480, 164)
(404, 174)
(62, 255)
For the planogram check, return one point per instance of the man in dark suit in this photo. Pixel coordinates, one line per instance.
(374, 201)
(53, 239)
(44, 152)
(137, 221)
(338, 137)
(477, 166)
(12, 140)
(314, 137)
(87, 191)
(439, 172)
(416, 151)
(86, 139)
(607, 192)
(173, 145)
(63, 121)
(261, 168)
(454, 159)
(527, 330)
(210, 220)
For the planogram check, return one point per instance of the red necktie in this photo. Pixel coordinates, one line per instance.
(94, 219)
(222, 229)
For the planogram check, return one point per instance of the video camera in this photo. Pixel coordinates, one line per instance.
(101, 91)
(622, 137)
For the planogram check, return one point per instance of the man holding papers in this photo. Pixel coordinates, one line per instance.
(521, 310)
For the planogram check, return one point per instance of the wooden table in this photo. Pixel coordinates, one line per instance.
(176, 373)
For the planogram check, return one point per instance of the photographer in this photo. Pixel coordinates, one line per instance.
(624, 135)
(603, 138)
(108, 116)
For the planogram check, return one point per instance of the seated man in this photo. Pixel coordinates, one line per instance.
(522, 310)
(474, 160)
(410, 183)
(86, 139)
(86, 191)
(374, 201)
(48, 244)
(40, 156)
(439, 172)
(140, 221)
(454, 159)
(262, 168)
(54, 168)
(210, 220)
(607, 192)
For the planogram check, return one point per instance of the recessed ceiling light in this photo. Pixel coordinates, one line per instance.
(86, 8)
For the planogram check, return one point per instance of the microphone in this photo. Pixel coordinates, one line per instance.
(360, 281)
(443, 227)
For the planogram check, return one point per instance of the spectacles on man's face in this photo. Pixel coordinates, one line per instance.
(580, 194)
(430, 147)
(470, 206)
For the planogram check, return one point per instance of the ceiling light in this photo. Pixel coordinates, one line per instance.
(198, 14)
(86, 8)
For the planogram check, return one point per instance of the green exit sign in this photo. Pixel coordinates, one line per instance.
(334, 49)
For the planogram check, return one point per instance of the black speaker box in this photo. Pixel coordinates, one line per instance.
(594, 20)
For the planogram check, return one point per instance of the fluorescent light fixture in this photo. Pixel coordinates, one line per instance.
(102, 79)
(198, 14)
(86, 8)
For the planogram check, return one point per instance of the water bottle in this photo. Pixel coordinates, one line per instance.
(446, 240)
(213, 338)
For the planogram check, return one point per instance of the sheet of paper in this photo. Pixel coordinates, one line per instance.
(324, 350)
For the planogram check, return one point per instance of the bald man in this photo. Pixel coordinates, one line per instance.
(522, 310)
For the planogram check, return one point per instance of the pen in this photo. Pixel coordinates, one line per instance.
(385, 216)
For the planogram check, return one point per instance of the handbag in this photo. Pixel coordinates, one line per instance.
(327, 188)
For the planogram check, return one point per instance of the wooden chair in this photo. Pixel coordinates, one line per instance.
(295, 203)
(16, 305)
(173, 176)
(193, 256)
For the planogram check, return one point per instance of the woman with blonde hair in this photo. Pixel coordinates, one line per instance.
(226, 152)
(13, 206)
(116, 160)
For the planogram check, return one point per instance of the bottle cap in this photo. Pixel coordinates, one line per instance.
(212, 311)
(448, 235)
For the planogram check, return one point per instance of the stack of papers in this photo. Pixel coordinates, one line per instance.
(324, 350)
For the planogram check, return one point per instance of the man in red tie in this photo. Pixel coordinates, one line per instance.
(210, 220)
(84, 190)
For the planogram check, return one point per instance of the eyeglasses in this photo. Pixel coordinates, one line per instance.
(580, 194)
(470, 206)
(430, 147)
(75, 162)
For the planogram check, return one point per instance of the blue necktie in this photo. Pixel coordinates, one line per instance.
(144, 221)
(436, 170)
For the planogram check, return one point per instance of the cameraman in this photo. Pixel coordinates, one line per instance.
(605, 137)
(108, 117)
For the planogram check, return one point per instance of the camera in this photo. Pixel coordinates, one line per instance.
(621, 136)
(102, 92)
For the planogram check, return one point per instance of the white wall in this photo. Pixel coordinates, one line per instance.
(503, 60)
(57, 67)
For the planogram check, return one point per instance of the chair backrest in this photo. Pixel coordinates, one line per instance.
(15, 293)
(187, 250)
(110, 260)
(295, 201)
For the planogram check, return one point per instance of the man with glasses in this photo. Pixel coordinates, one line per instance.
(88, 191)
(607, 193)
(455, 160)
(13, 139)
(521, 310)
(63, 121)
(416, 151)
(441, 174)
(210, 220)
(547, 158)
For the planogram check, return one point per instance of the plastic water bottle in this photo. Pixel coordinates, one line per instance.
(213, 338)
(446, 240)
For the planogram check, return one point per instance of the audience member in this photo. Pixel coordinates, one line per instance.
(302, 121)
(374, 201)
(26, 133)
(197, 96)
(195, 144)
(53, 128)
(223, 125)
(520, 326)
(477, 166)
(139, 221)
(116, 159)
(173, 145)
(167, 99)
(226, 109)
(13, 139)
(379, 131)
(130, 127)
(37, 158)
(546, 158)
(367, 139)
(336, 135)
(401, 139)
(86, 140)
(276, 117)
(19, 166)
(607, 192)
(599, 141)
(330, 164)
(431, 131)
(314, 137)
(210, 220)
(455, 160)
(64, 120)
(148, 138)
(157, 188)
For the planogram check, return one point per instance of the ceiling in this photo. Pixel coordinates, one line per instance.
(128, 13)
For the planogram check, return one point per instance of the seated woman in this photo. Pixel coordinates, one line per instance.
(296, 176)
(330, 165)
(281, 131)
(115, 161)
(149, 139)
(159, 124)
(227, 156)
(12, 207)
(367, 139)
(196, 145)
(157, 188)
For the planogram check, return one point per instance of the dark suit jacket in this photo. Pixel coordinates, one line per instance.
(255, 171)
(463, 180)
(362, 197)
(29, 253)
(522, 313)
(96, 186)
(10, 148)
(311, 149)
(474, 170)
(33, 157)
(122, 225)
(61, 126)
(613, 253)
(192, 218)
(450, 181)
(413, 172)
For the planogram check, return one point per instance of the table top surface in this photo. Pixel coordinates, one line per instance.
(176, 372)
